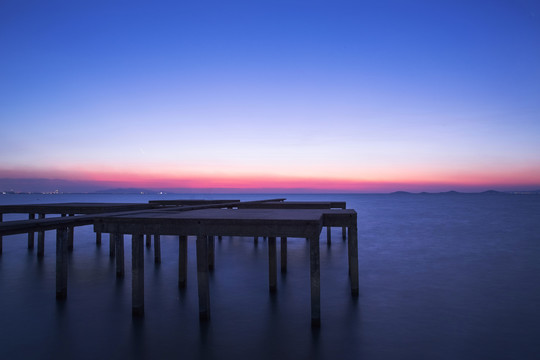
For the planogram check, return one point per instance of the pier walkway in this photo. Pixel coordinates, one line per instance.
(203, 220)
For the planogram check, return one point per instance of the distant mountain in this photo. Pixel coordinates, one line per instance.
(400, 193)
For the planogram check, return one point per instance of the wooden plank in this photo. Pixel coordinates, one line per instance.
(61, 263)
(182, 261)
(202, 278)
(74, 208)
(137, 275)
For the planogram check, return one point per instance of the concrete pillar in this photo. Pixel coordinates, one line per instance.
(315, 276)
(220, 238)
(157, 249)
(353, 258)
(211, 252)
(98, 238)
(70, 236)
(112, 245)
(182, 261)
(61, 263)
(272, 264)
(202, 278)
(119, 245)
(31, 234)
(329, 235)
(41, 240)
(344, 232)
(137, 274)
(256, 239)
(148, 240)
(283, 254)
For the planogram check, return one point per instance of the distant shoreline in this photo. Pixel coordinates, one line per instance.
(209, 192)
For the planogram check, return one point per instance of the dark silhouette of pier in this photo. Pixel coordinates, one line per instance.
(202, 219)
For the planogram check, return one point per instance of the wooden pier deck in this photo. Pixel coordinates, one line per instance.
(270, 219)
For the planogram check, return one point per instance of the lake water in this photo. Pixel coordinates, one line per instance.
(448, 276)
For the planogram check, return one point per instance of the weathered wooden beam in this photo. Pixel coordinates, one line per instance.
(315, 276)
(61, 263)
(119, 245)
(283, 254)
(272, 264)
(157, 249)
(31, 233)
(202, 277)
(182, 261)
(137, 274)
(41, 240)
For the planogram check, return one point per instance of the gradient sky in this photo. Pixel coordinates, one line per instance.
(360, 96)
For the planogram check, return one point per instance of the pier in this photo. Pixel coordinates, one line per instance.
(202, 220)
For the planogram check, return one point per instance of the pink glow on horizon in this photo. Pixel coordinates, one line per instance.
(422, 182)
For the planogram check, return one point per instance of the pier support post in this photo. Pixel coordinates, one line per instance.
(1, 240)
(119, 244)
(344, 233)
(61, 263)
(148, 240)
(157, 249)
(31, 234)
(202, 277)
(98, 238)
(137, 275)
(41, 240)
(211, 252)
(182, 261)
(329, 235)
(255, 239)
(315, 276)
(353, 258)
(70, 236)
(112, 245)
(283, 254)
(272, 264)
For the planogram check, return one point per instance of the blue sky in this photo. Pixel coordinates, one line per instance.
(341, 95)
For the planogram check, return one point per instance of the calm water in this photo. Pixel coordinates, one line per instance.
(441, 277)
